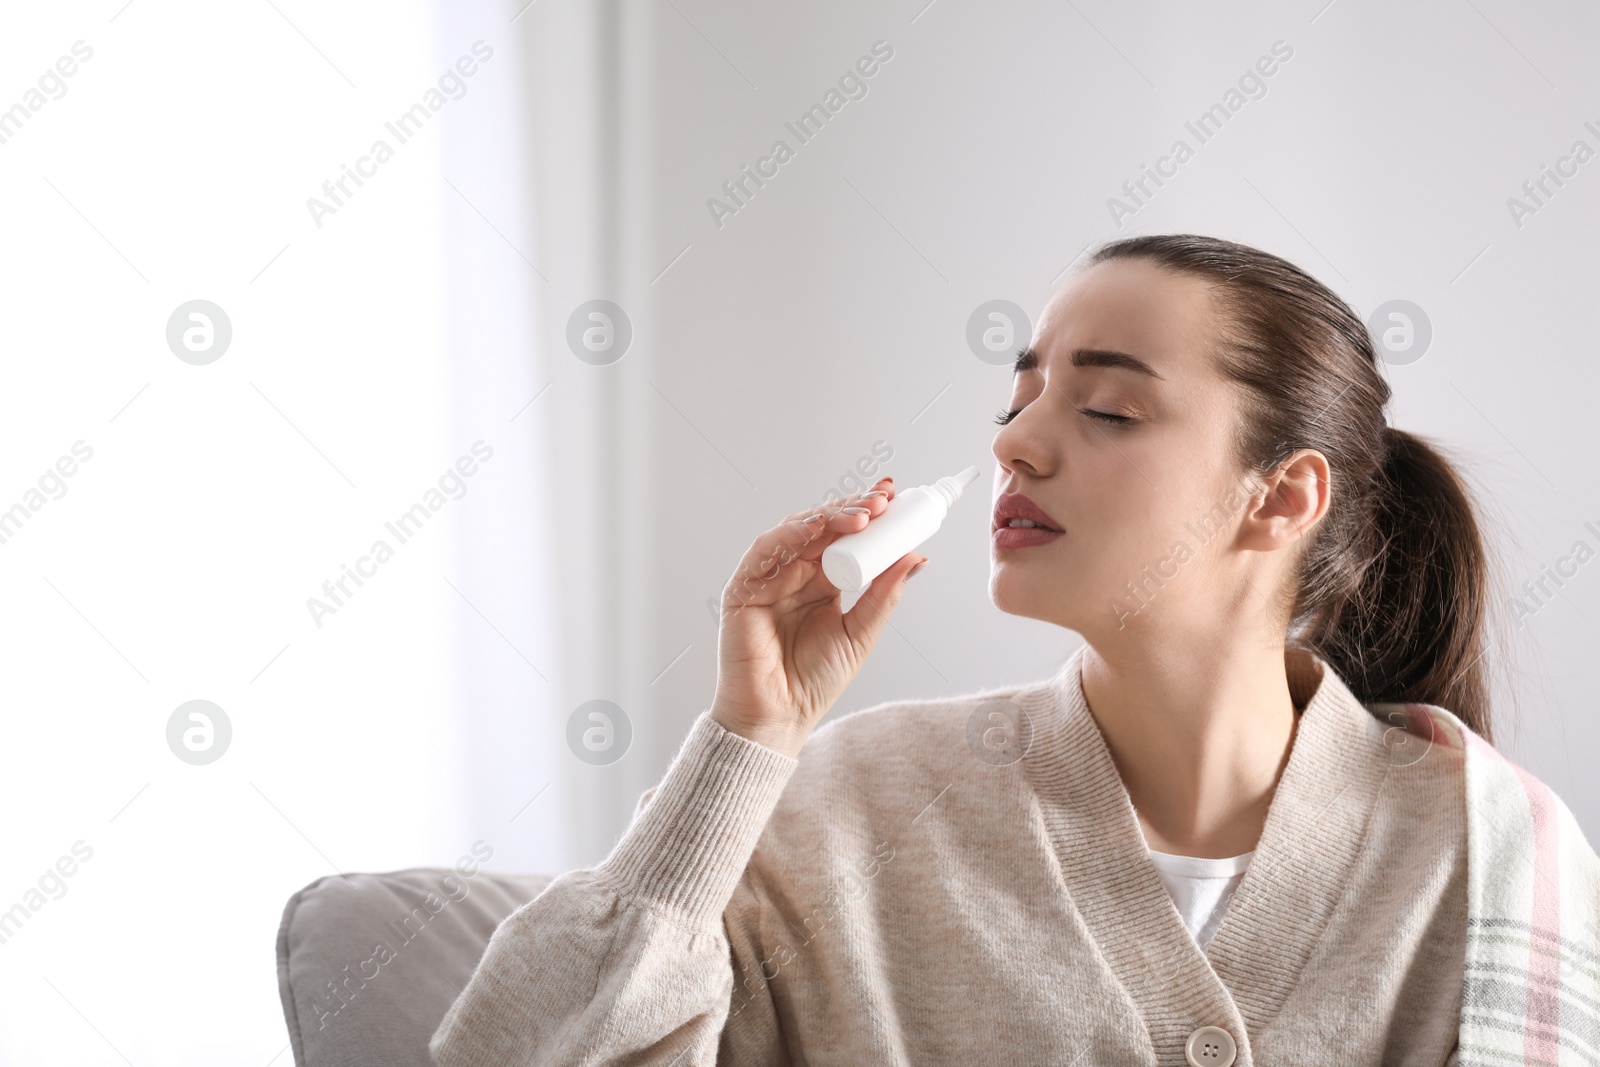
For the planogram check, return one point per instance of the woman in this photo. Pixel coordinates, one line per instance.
(1196, 843)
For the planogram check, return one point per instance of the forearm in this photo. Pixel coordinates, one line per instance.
(629, 961)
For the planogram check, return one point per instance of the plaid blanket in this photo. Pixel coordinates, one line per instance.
(1531, 993)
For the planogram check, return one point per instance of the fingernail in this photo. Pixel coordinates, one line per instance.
(854, 511)
(812, 518)
(878, 492)
(912, 573)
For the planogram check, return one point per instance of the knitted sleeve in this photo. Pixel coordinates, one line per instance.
(644, 958)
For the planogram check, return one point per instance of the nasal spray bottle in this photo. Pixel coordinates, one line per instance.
(913, 516)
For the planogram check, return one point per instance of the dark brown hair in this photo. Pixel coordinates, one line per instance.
(1392, 586)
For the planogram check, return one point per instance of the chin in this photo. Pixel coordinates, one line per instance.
(1013, 593)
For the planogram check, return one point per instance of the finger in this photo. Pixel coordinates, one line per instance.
(870, 503)
(865, 621)
(779, 561)
(883, 487)
(883, 490)
(805, 534)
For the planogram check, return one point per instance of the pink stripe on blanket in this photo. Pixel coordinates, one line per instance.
(1420, 720)
(1543, 1016)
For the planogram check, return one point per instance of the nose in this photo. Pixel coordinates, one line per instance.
(1021, 446)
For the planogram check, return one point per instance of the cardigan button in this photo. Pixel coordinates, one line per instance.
(1210, 1046)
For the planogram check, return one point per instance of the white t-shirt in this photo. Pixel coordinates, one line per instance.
(1201, 888)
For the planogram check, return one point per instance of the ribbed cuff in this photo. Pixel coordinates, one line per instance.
(688, 848)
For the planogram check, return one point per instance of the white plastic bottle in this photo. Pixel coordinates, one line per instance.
(913, 516)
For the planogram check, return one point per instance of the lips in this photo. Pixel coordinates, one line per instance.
(1016, 506)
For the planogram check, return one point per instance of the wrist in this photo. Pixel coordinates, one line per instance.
(712, 804)
(782, 736)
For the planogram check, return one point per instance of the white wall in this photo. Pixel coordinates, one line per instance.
(769, 356)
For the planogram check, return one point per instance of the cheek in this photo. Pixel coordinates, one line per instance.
(1115, 551)
(1131, 525)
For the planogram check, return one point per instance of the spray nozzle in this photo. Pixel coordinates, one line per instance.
(950, 487)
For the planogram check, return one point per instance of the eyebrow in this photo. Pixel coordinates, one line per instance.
(1028, 359)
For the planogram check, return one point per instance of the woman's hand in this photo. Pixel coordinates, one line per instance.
(785, 651)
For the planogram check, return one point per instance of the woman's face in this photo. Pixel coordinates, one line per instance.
(1143, 500)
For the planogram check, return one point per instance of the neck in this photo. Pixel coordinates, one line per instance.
(1199, 735)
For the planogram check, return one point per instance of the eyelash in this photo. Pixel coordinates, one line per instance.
(1005, 416)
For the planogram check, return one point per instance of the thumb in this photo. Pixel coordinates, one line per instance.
(870, 614)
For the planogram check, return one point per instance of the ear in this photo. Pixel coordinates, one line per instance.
(1296, 497)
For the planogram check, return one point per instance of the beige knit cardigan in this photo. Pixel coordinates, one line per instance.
(964, 881)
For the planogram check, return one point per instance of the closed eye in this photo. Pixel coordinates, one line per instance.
(1005, 416)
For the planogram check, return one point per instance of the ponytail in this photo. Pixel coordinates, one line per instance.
(1412, 626)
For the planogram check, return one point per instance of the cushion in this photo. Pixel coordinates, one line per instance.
(369, 963)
